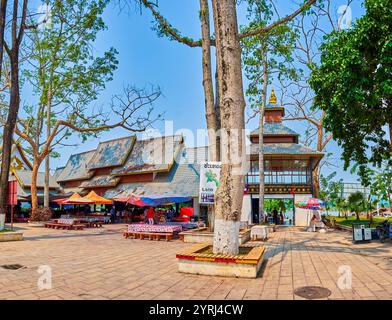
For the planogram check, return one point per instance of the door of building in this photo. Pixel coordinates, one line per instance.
(255, 210)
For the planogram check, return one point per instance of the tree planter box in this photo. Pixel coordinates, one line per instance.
(11, 236)
(202, 235)
(200, 260)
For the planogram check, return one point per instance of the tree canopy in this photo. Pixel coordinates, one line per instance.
(353, 85)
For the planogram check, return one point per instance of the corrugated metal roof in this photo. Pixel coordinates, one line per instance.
(182, 180)
(283, 148)
(151, 155)
(111, 153)
(76, 167)
(25, 178)
(275, 128)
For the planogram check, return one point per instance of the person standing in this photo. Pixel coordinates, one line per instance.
(113, 214)
(281, 218)
(150, 215)
(275, 216)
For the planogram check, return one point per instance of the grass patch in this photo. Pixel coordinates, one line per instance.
(350, 220)
(6, 230)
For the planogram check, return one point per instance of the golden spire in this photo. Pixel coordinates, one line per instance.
(273, 100)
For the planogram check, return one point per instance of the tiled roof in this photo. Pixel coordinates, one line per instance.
(284, 148)
(151, 155)
(57, 172)
(182, 180)
(194, 155)
(24, 177)
(111, 153)
(76, 167)
(275, 128)
(101, 181)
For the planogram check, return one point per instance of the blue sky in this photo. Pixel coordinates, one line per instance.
(145, 59)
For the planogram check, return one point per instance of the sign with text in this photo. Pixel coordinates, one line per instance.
(209, 181)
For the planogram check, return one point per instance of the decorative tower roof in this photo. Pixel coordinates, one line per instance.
(273, 112)
(274, 130)
(273, 100)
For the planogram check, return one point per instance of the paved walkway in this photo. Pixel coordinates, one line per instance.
(100, 264)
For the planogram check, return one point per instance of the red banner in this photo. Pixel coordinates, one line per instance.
(12, 193)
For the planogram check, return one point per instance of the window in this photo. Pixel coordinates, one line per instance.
(281, 171)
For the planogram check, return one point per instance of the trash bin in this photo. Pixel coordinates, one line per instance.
(361, 232)
(375, 234)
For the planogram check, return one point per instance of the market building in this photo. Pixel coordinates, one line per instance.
(165, 166)
(21, 171)
(127, 166)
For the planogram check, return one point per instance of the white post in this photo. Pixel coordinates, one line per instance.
(2, 221)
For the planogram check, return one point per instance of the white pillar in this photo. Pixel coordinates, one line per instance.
(196, 207)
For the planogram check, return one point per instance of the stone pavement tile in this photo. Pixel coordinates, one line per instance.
(286, 296)
(382, 294)
(236, 294)
(106, 266)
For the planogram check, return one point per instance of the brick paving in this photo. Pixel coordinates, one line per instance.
(100, 264)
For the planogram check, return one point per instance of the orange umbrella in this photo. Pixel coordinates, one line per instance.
(96, 199)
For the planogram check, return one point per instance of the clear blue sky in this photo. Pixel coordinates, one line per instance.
(146, 59)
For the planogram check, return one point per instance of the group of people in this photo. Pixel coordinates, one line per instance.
(151, 215)
(277, 218)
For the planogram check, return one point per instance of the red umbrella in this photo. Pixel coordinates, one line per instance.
(313, 203)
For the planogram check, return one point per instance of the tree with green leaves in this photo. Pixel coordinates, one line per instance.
(356, 203)
(231, 106)
(353, 86)
(381, 185)
(66, 77)
(312, 29)
(61, 67)
(330, 190)
(265, 57)
(341, 205)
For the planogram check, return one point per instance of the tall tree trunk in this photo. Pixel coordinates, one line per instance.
(228, 201)
(9, 130)
(16, 38)
(33, 191)
(261, 139)
(47, 159)
(4, 173)
(316, 181)
(208, 92)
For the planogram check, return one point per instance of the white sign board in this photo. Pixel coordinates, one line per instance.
(209, 181)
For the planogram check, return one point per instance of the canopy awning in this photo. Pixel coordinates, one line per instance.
(74, 199)
(96, 199)
(153, 200)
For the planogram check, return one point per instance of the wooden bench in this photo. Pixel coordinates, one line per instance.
(75, 225)
(78, 226)
(157, 236)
